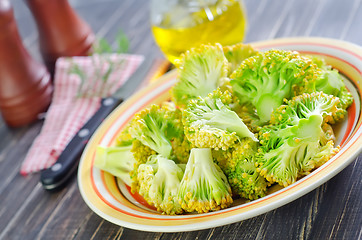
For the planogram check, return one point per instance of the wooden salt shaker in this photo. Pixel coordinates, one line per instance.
(25, 85)
(61, 31)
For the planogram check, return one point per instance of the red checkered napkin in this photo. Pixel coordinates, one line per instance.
(79, 85)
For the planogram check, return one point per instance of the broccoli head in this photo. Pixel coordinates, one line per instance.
(141, 153)
(237, 53)
(249, 115)
(116, 160)
(159, 180)
(158, 129)
(265, 79)
(238, 164)
(209, 122)
(181, 147)
(125, 138)
(295, 142)
(201, 71)
(156, 126)
(307, 104)
(331, 82)
(204, 186)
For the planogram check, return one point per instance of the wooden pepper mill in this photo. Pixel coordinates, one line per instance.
(61, 31)
(25, 85)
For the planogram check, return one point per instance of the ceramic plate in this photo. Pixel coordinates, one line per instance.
(112, 200)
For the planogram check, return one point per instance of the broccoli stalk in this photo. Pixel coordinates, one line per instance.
(159, 179)
(118, 161)
(292, 145)
(265, 79)
(201, 71)
(209, 122)
(204, 187)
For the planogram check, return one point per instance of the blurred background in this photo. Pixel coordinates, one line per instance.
(266, 20)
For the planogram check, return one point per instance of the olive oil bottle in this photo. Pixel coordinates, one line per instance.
(191, 24)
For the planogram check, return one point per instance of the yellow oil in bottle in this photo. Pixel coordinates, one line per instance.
(224, 23)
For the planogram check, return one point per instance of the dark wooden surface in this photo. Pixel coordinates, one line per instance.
(332, 211)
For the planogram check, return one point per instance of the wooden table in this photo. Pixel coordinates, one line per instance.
(332, 211)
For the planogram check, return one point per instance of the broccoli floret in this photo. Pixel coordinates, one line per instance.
(158, 129)
(295, 142)
(141, 153)
(237, 53)
(201, 71)
(308, 104)
(118, 161)
(125, 138)
(238, 164)
(248, 114)
(246, 181)
(155, 127)
(159, 179)
(209, 122)
(204, 187)
(331, 82)
(181, 147)
(149, 126)
(265, 79)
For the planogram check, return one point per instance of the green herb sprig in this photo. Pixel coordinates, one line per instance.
(103, 66)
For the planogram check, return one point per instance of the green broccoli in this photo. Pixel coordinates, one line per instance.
(118, 161)
(149, 126)
(181, 147)
(158, 129)
(204, 187)
(308, 104)
(201, 71)
(248, 114)
(265, 79)
(125, 138)
(238, 164)
(295, 143)
(271, 123)
(141, 153)
(209, 122)
(157, 126)
(331, 82)
(237, 53)
(159, 180)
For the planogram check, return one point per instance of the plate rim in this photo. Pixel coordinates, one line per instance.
(341, 45)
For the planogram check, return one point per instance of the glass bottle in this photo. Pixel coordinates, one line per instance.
(179, 25)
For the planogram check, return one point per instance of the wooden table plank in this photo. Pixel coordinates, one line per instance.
(353, 31)
(337, 211)
(332, 19)
(66, 219)
(301, 17)
(332, 211)
(262, 23)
